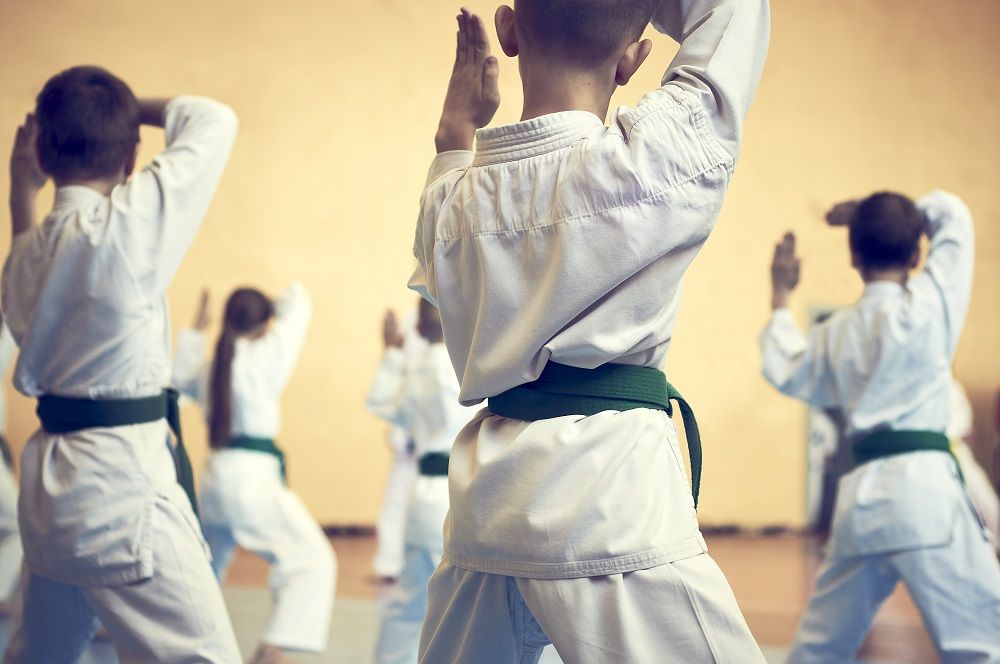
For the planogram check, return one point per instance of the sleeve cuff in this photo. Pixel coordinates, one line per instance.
(448, 161)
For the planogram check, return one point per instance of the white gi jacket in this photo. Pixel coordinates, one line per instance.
(564, 239)
(261, 367)
(84, 294)
(886, 363)
(420, 395)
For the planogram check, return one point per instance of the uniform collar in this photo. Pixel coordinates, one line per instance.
(530, 138)
(883, 288)
(75, 196)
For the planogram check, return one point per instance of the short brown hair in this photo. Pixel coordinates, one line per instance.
(588, 31)
(88, 123)
(885, 232)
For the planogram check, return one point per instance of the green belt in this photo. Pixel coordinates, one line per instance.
(265, 445)
(563, 390)
(61, 415)
(886, 443)
(434, 464)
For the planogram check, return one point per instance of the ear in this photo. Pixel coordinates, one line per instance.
(631, 60)
(129, 166)
(506, 23)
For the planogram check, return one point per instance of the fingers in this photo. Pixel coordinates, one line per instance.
(491, 80)
(480, 40)
(463, 38)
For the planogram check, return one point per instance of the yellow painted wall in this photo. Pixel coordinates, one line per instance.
(339, 100)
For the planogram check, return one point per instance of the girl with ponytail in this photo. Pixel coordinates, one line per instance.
(244, 497)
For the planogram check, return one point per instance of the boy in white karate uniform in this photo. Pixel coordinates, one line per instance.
(555, 253)
(390, 552)
(245, 499)
(903, 513)
(420, 394)
(108, 531)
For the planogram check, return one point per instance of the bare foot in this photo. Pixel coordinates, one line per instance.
(268, 654)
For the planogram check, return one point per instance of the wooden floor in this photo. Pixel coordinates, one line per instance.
(771, 577)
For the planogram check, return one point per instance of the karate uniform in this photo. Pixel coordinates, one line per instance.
(244, 499)
(391, 548)
(416, 389)
(562, 239)
(107, 531)
(977, 482)
(885, 362)
(11, 554)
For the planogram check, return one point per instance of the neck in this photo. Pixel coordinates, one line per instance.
(104, 186)
(898, 275)
(550, 88)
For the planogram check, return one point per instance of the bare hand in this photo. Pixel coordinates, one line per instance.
(473, 93)
(390, 331)
(204, 317)
(785, 271)
(26, 174)
(842, 214)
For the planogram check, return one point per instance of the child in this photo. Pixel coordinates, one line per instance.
(390, 551)
(245, 500)
(555, 253)
(902, 514)
(420, 396)
(107, 530)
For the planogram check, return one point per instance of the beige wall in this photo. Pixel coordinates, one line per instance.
(338, 102)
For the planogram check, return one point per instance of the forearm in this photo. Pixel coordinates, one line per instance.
(152, 112)
(454, 134)
(779, 298)
(23, 212)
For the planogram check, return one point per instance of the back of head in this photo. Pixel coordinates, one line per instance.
(584, 32)
(88, 124)
(247, 309)
(885, 232)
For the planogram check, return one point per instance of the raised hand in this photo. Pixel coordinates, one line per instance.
(473, 93)
(391, 333)
(785, 271)
(26, 175)
(842, 214)
(204, 316)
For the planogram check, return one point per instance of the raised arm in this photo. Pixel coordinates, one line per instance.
(723, 45)
(26, 177)
(284, 341)
(794, 365)
(387, 396)
(946, 280)
(172, 194)
(190, 365)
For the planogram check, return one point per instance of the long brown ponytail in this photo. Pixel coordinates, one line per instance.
(246, 310)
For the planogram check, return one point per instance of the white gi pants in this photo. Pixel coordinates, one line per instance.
(678, 613)
(175, 617)
(391, 527)
(956, 587)
(245, 503)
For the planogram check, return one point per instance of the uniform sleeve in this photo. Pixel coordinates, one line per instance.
(794, 365)
(284, 341)
(387, 398)
(946, 280)
(434, 196)
(190, 366)
(164, 204)
(723, 45)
